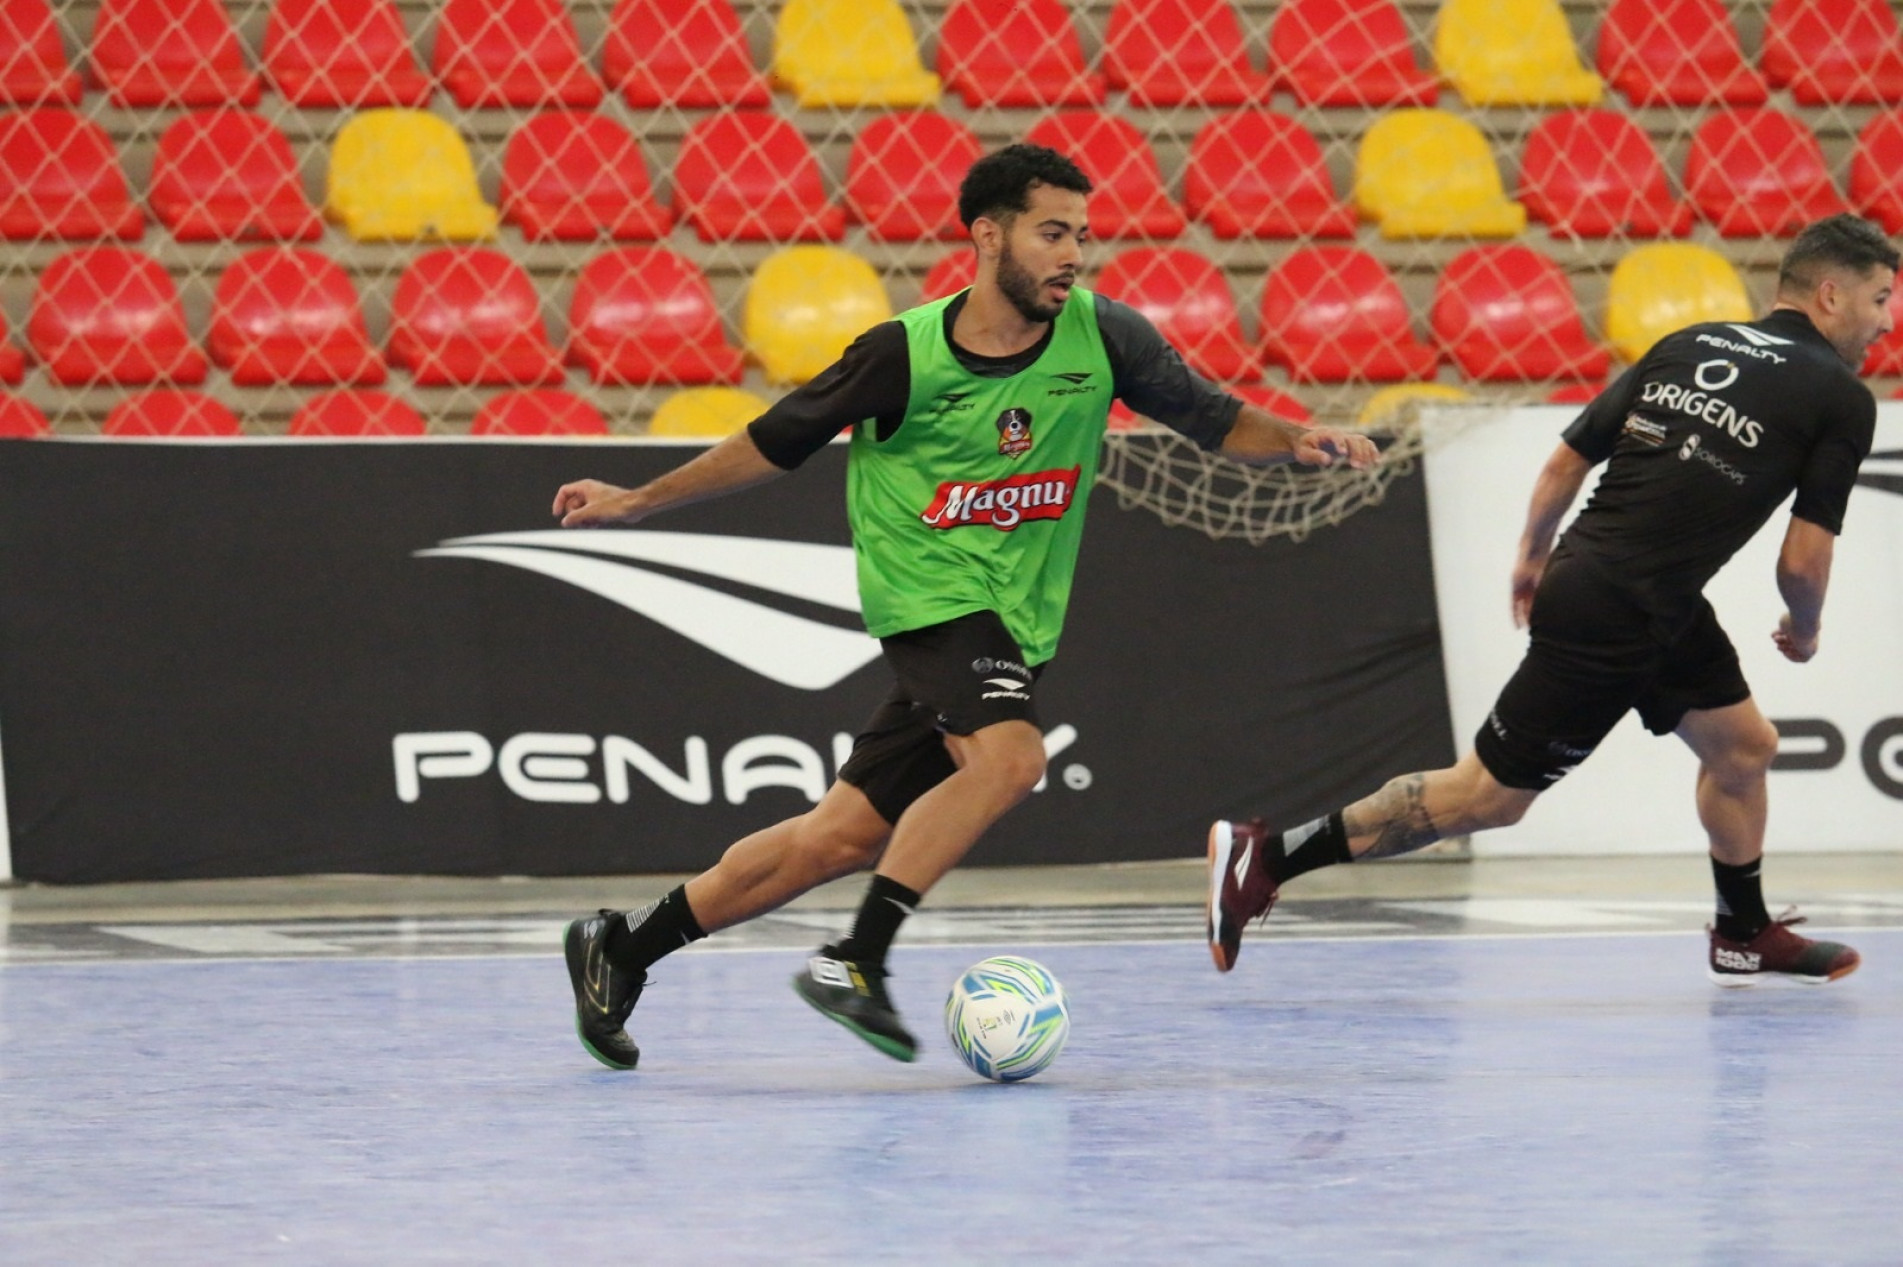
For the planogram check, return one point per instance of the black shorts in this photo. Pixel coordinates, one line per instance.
(954, 679)
(1595, 654)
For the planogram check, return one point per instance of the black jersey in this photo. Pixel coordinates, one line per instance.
(1705, 437)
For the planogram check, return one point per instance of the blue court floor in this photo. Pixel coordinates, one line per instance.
(1415, 1099)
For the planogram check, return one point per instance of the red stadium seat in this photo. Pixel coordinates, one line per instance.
(170, 53)
(20, 420)
(59, 178)
(1594, 174)
(1834, 52)
(1014, 53)
(1886, 355)
(1180, 53)
(949, 276)
(1128, 200)
(288, 316)
(470, 315)
(222, 175)
(750, 176)
(107, 314)
(1347, 53)
(537, 413)
(12, 360)
(1876, 171)
(570, 176)
(1505, 313)
(1258, 174)
(328, 54)
(170, 413)
(492, 53)
(1332, 314)
(1758, 171)
(33, 69)
(356, 413)
(691, 54)
(646, 315)
(1676, 53)
(902, 176)
(1186, 297)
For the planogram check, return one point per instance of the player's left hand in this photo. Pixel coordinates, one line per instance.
(1796, 649)
(1325, 446)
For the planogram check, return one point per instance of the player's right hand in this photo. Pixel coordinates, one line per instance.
(1793, 648)
(1526, 583)
(592, 504)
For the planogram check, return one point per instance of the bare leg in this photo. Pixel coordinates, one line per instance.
(768, 869)
(1735, 746)
(997, 767)
(1415, 810)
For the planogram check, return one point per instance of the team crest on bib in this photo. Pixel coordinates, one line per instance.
(1014, 432)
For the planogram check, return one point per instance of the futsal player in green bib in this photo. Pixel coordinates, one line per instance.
(977, 423)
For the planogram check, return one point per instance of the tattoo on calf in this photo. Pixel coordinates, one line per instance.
(1396, 815)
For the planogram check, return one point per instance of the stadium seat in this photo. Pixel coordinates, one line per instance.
(1758, 171)
(537, 412)
(1391, 405)
(108, 314)
(19, 420)
(282, 315)
(691, 54)
(1505, 313)
(1512, 53)
(331, 54)
(1128, 200)
(643, 314)
(495, 53)
(1594, 174)
(170, 414)
(1187, 298)
(1876, 171)
(1886, 354)
(227, 174)
(850, 53)
(33, 69)
(1665, 286)
(405, 174)
(572, 176)
(805, 305)
(1676, 53)
(170, 53)
(1428, 173)
(1180, 53)
(749, 176)
(12, 360)
(1834, 52)
(1347, 53)
(1331, 314)
(1014, 53)
(348, 412)
(949, 276)
(903, 173)
(469, 315)
(1574, 394)
(1258, 174)
(59, 178)
(711, 412)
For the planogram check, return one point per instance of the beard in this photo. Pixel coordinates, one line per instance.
(1022, 289)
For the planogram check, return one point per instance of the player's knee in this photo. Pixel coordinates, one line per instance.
(1016, 767)
(1748, 757)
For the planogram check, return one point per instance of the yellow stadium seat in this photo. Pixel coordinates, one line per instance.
(1512, 53)
(1391, 404)
(805, 305)
(1428, 174)
(706, 411)
(1666, 286)
(850, 53)
(405, 174)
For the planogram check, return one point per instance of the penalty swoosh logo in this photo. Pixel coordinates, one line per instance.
(1883, 471)
(792, 650)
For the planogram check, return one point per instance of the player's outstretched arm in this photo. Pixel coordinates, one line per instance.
(1259, 438)
(1803, 575)
(735, 463)
(1553, 493)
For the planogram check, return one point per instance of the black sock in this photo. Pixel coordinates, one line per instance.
(643, 936)
(1741, 913)
(1312, 846)
(886, 905)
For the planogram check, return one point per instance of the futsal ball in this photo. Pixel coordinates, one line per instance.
(1007, 1018)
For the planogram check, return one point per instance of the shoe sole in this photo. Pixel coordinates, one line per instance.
(1745, 980)
(1222, 845)
(571, 953)
(891, 1047)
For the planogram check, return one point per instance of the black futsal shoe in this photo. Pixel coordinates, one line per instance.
(604, 995)
(854, 995)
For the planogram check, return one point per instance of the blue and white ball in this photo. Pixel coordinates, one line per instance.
(1007, 1018)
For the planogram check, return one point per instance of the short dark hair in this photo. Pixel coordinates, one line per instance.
(998, 185)
(1842, 241)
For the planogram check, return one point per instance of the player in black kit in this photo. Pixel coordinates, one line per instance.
(1705, 437)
